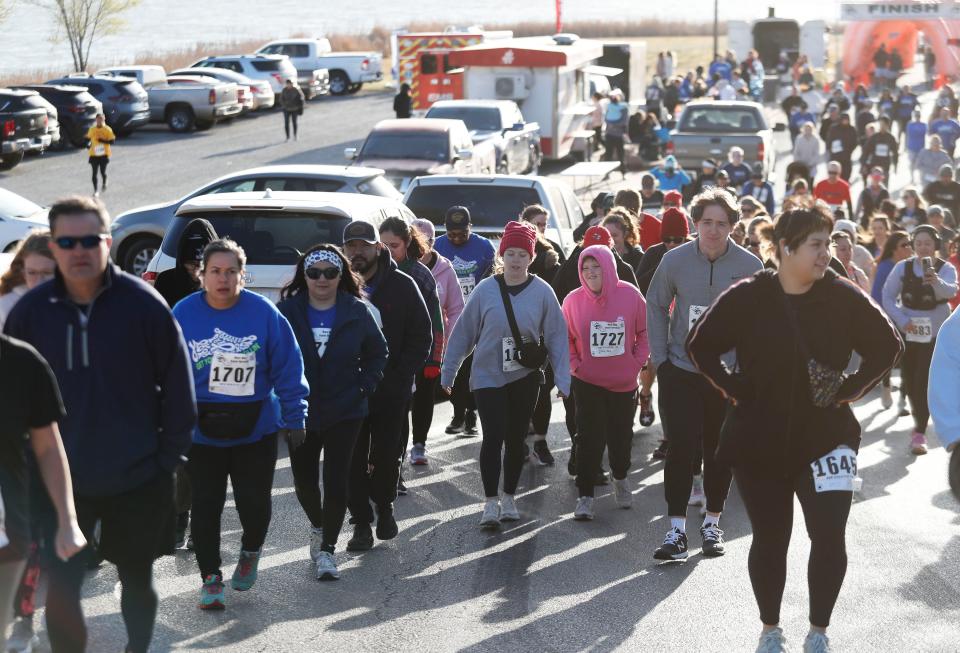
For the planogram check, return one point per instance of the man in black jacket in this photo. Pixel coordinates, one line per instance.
(375, 468)
(842, 140)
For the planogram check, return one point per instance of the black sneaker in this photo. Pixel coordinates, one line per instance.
(470, 423)
(401, 487)
(455, 425)
(362, 539)
(542, 452)
(674, 546)
(660, 453)
(712, 540)
(386, 524)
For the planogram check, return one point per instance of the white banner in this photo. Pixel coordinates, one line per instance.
(924, 10)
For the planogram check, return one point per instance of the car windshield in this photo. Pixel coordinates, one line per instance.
(266, 65)
(267, 237)
(14, 206)
(490, 207)
(430, 146)
(708, 118)
(476, 118)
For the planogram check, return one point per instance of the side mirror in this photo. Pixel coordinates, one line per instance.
(350, 153)
(465, 155)
(780, 127)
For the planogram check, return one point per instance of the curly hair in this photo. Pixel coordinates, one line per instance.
(627, 222)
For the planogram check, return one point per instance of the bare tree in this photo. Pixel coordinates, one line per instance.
(81, 22)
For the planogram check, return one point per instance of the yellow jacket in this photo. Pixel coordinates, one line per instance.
(100, 139)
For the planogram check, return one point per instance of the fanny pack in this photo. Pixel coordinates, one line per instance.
(823, 381)
(531, 354)
(220, 420)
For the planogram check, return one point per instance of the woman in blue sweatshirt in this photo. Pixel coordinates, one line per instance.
(344, 354)
(250, 387)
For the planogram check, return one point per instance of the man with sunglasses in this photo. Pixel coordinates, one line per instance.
(834, 190)
(122, 367)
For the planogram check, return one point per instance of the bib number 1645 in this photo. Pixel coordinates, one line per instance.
(836, 471)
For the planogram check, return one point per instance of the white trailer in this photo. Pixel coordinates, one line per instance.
(771, 36)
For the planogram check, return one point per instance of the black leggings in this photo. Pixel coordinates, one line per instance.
(605, 419)
(325, 511)
(421, 409)
(380, 444)
(505, 413)
(99, 163)
(544, 407)
(692, 412)
(461, 397)
(250, 470)
(915, 373)
(289, 116)
(769, 504)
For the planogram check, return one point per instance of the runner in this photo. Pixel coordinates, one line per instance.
(344, 354)
(622, 226)
(607, 333)
(115, 350)
(32, 264)
(843, 250)
(506, 378)
(692, 276)
(897, 248)
(834, 190)
(101, 138)
(794, 433)
(881, 150)
(842, 140)
(291, 101)
(915, 296)
(375, 467)
(472, 258)
(248, 377)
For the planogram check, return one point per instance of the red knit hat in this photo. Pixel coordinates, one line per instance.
(674, 224)
(673, 197)
(597, 235)
(519, 234)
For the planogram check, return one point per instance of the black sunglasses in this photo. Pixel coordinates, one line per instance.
(327, 273)
(86, 242)
(673, 241)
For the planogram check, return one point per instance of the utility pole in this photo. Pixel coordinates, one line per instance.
(716, 29)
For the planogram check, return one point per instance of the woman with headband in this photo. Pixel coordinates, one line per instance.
(344, 354)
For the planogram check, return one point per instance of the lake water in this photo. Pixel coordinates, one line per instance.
(164, 26)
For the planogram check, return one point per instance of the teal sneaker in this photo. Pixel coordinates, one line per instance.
(245, 575)
(211, 593)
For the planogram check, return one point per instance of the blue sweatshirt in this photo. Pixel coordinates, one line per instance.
(472, 261)
(252, 336)
(944, 390)
(916, 135)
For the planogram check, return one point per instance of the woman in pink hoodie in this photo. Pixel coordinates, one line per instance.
(607, 329)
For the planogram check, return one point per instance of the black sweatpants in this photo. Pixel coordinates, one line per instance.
(421, 409)
(99, 163)
(250, 470)
(615, 151)
(288, 117)
(692, 412)
(133, 526)
(769, 504)
(916, 377)
(380, 444)
(604, 419)
(325, 511)
(505, 413)
(461, 397)
(544, 407)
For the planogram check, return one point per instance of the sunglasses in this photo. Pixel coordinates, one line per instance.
(86, 242)
(326, 273)
(674, 241)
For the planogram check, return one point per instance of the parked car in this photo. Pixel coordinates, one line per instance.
(274, 229)
(349, 71)
(137, 233)
(517, 142)
(145, 74)
(18, 217)
(76, 110)
(272, 68)
(24, 124)
(124, 100)
(38, 144)
(495, 200)
(411, 147)
(262, 93)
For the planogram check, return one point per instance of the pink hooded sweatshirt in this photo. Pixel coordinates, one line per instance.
(448, 292)
(607, 332)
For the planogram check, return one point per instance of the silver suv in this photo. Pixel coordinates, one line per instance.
(276, 69)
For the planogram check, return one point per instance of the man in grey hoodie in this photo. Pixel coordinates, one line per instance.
(693, 275)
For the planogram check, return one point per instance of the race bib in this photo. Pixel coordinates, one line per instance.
(321, 335)
(882, 150)
(232, 374)
(836, 146)
(511, 356)
(467, 284)
(99, 150)
(836, 471)
(695, 313)
(922, 330)
(606, 339)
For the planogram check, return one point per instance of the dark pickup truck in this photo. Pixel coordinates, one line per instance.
(22, 126)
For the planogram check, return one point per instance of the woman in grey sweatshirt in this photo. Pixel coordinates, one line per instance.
(505, 391)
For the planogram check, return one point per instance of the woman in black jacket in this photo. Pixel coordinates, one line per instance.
(780, 437)
(344, 354)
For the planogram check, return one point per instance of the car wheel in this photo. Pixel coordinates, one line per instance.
(354, 88)
(180, 120)
(12, 160)
(138, 254)
(339, 83)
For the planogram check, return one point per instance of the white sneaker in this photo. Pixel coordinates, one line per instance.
(584, 509)
(22, 638)
(697, 497)
(621, 491)
(316, 541)
(327, 567)
(816, 642)
(773, 641)
(491, 514)
(886, 398)
(508, 509)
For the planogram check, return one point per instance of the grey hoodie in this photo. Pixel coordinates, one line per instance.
(686, 275)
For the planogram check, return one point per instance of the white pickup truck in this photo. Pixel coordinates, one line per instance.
(349, 71)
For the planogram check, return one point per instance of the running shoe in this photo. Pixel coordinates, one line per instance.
(418, 454)
(712, 540)
(386, 525)
(508, 509)
(646, 409)
(455, 425)
(470, 423)
(401, 486)
(491, 514)
(362, 539)
(918, 444)
(622, 494)
(886, 397)
(816, 642)
(584, 509)
(773, 641)
(660, 453)
(22, 638)
(211, 593)
(316, 541)
(542, 453)
(674, 546)
(327, 567)
(245, 574)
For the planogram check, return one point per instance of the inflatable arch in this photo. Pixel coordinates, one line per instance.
(861, 40)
